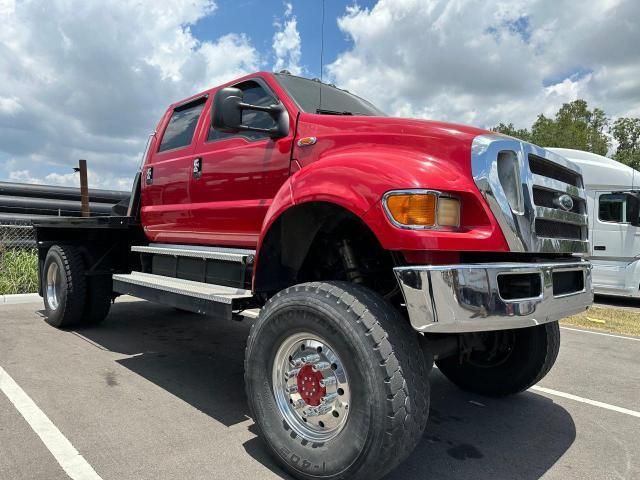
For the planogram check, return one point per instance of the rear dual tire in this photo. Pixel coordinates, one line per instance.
(387, 381)
(70, 297)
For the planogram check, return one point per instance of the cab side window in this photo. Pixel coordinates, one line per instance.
(255, 95)
(179, 131)
(612, 207)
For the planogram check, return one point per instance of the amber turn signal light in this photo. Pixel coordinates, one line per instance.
(423, 209)
(413, 209)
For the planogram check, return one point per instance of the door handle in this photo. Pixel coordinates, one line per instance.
(599, 247)
(149, 176)
(197, 168)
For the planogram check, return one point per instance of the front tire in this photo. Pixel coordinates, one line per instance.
(378, 365)
(526, 357)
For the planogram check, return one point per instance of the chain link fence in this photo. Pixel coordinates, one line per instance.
(17, 235)
(18, 258)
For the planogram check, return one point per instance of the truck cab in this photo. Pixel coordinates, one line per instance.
(365, 247)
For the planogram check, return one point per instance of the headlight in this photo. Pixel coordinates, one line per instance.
(421, 209)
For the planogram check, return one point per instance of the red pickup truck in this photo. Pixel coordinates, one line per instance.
(365, 247)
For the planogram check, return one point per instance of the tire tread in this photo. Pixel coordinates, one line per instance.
(75, 292)
(401, 363)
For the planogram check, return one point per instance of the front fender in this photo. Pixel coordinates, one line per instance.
(354, 182)
(357, 180)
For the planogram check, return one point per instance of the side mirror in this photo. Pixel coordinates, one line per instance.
(227, 114)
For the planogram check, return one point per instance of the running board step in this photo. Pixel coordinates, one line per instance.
(204, 298)
(195, 251)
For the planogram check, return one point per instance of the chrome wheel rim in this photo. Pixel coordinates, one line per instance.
(311, 387)
(54, 280)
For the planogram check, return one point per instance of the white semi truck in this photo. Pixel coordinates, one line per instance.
(612, 190)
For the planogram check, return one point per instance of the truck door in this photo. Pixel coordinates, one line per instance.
(166, 177)
(615, 245)
(236, 176)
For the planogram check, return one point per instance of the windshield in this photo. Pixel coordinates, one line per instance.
(315, 97)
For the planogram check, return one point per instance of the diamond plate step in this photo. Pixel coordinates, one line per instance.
(197, 297)
(195, 251)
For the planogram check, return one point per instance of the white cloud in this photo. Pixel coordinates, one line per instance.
(7, 7)
(9, 105)
(91, 80)
(287, 45)
(483, 62)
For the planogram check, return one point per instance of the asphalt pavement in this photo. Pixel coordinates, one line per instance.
(158, 394)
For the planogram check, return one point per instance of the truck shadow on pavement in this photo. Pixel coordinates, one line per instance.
(200, 360)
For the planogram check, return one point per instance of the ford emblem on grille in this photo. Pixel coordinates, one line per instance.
(565, 202)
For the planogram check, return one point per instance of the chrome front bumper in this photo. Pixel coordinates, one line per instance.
(500, 296)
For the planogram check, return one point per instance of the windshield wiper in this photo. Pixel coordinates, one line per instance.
(332, 112)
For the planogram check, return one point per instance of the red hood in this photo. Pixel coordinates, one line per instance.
(388, 125)
(417, 138)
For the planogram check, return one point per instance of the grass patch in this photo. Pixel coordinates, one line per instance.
(613, 320)
(18, 271)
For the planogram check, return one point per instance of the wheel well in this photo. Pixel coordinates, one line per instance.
(322, 241)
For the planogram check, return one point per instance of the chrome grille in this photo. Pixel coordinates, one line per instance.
(550, 182)
(538, 221)
(549, 229)
(541, 166)
(549, 198)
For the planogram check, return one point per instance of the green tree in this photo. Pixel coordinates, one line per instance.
(521, 133)
(544, 132)
(626, 131)
(574, 126)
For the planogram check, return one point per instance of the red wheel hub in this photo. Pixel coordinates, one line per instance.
(309, 385)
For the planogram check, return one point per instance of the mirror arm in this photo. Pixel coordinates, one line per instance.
(256, 129)
(259, 108)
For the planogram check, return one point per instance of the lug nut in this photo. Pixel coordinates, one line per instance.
(313, 358)
(321, 366)
(292, 389)
(319, 410)
(329, 398)
(299, 404)
(292, 373)
(327, 381)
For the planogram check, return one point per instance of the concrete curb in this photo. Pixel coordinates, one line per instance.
(20, 298)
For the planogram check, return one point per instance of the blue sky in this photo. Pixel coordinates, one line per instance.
(230, 17)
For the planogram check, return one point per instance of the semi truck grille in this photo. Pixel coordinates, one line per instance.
(540, 205)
